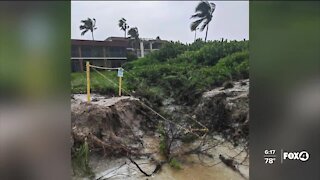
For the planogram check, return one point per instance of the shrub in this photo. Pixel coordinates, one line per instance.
(168, 50)
(177, 71)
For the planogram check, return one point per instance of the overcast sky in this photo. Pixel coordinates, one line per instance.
(168, 19)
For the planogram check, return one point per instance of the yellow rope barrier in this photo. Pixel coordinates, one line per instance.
(154, 111)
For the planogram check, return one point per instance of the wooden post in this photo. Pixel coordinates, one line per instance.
(88, 81)
(120, 83)
(120, 75)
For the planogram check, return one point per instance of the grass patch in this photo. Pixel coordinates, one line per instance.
(174, 163)
(98, 83)
(163, 139)
(80, 161)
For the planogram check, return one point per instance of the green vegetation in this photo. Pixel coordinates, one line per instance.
(123, 26)
(134, 37)
(204, 11)
(98, 83)
(174, 163)
(80, 161)
(88, 25)
(183, 72)
(163, 140)
(177, 70)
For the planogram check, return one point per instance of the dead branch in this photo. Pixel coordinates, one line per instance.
(146, 174)
(156, 170)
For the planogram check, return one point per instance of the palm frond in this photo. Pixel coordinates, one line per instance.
(200, 15)
(205, 23)
(213, 8)
(82, 27)
(84, 32)
(203, 6)
(122, 24)
(88, 24)
(195, 24)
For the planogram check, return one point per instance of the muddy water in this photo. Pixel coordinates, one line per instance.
(192, 167)
(197, 171)
(207, 168)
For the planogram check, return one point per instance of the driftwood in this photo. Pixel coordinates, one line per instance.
(231, 164)
(228, 162)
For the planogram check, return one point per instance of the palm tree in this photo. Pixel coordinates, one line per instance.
(88, 24)
(123, 26)
(134, 35)
(204, 12)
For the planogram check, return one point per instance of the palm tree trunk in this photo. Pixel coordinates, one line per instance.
(92, 35)
(125, 33)
(205, 40)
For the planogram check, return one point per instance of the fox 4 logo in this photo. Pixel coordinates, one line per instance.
(302, 156)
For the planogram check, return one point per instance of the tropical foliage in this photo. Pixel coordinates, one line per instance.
(88, 25)
(178, 71)
(183, 72)
(123, 26)
(203, 13)
(134, 37)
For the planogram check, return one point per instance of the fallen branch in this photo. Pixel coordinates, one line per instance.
(143, 172)
(158, 167)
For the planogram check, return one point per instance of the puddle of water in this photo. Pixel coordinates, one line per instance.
(194, 169)
(197, 172)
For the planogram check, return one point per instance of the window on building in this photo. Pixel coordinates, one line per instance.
(74, 51)
(117, 52)
(86, 51)
(97, 51)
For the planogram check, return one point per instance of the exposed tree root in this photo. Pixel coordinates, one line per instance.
(114, 148)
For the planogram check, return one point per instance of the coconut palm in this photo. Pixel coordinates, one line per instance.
(204, 11)
(88, 24)
(134, 36)
(123, 26)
